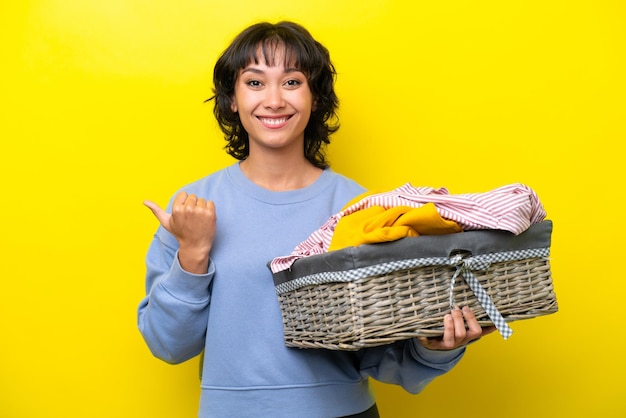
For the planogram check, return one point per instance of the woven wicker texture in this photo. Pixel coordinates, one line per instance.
(409, 303)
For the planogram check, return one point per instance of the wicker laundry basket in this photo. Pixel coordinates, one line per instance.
(377, 294)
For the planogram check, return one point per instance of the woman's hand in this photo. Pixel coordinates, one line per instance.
(460, 327)
(193, 223)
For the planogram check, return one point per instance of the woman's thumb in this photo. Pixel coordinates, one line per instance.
(160, 214)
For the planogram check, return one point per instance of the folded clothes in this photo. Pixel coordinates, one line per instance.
(379, 224)
(510, 208)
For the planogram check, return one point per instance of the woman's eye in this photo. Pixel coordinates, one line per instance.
(253, 83)
(293, 83)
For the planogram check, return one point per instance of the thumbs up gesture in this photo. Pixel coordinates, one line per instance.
(192, 222)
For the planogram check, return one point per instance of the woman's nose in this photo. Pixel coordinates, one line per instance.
(274, 98)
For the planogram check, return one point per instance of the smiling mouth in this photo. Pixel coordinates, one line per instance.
(273, 121)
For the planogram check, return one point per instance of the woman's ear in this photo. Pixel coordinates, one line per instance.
(233, 105)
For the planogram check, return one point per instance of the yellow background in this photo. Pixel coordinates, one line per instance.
(102, 107)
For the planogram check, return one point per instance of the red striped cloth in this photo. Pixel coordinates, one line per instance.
(511, 208)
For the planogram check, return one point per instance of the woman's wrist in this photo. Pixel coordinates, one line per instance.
(193, 260)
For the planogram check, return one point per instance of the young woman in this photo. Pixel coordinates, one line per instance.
(208, 285)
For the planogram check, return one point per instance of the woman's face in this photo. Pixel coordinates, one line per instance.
(274, 104)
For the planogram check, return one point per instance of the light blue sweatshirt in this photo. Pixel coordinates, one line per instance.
(232, 312)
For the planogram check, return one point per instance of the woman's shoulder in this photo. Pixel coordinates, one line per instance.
(344, 182)
(205, 186)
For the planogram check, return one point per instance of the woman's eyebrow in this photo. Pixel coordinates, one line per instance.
(259, 71)
(252, 70)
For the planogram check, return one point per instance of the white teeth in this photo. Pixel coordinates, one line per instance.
(269, 121)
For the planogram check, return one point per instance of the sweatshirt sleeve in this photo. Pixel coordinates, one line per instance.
(173, 315)
(408, 364)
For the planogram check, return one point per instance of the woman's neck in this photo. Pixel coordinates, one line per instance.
(280, 174)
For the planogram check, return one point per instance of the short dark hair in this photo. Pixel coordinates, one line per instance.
(301, 51)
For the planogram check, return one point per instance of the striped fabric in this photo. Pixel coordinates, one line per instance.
(511, 208)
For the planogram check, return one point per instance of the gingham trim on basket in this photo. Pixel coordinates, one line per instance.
(464, 267)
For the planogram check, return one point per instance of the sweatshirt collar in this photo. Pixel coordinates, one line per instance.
(241, 182)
